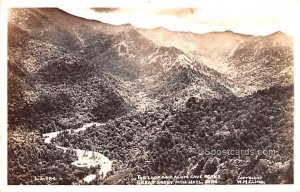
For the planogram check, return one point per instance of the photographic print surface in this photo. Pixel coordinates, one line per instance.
(107, 96)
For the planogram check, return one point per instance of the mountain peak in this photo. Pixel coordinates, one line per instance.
(131, 32)
(127, 25)
(160, 28)
(282, 37)
(228, 31)
(278, 34)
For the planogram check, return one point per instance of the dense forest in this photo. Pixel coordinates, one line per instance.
(33, 162)
(166, 141)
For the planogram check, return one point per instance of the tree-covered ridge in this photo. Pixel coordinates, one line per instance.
(167, 141)
(31, 162)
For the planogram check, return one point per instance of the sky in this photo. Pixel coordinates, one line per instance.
(257, 17)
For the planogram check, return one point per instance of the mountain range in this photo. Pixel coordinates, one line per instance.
(51, 52)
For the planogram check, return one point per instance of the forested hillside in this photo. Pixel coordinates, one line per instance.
(51, 86)
(170, 142)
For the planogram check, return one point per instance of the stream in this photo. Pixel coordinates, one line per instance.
(85, 158)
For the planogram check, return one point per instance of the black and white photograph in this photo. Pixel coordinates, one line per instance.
(150, 96)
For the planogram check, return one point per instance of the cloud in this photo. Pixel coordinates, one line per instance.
(179, 12)
(249, 17)
(105, 10)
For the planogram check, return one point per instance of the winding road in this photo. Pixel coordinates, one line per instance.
(85, 158)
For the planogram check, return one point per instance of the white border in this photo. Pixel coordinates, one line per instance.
(140, 4)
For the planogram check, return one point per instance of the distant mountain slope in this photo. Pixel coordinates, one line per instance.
(186, 78)
(249, 62)
(211, 45)
(264, 61)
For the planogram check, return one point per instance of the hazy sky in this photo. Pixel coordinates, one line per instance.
(258, 17)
